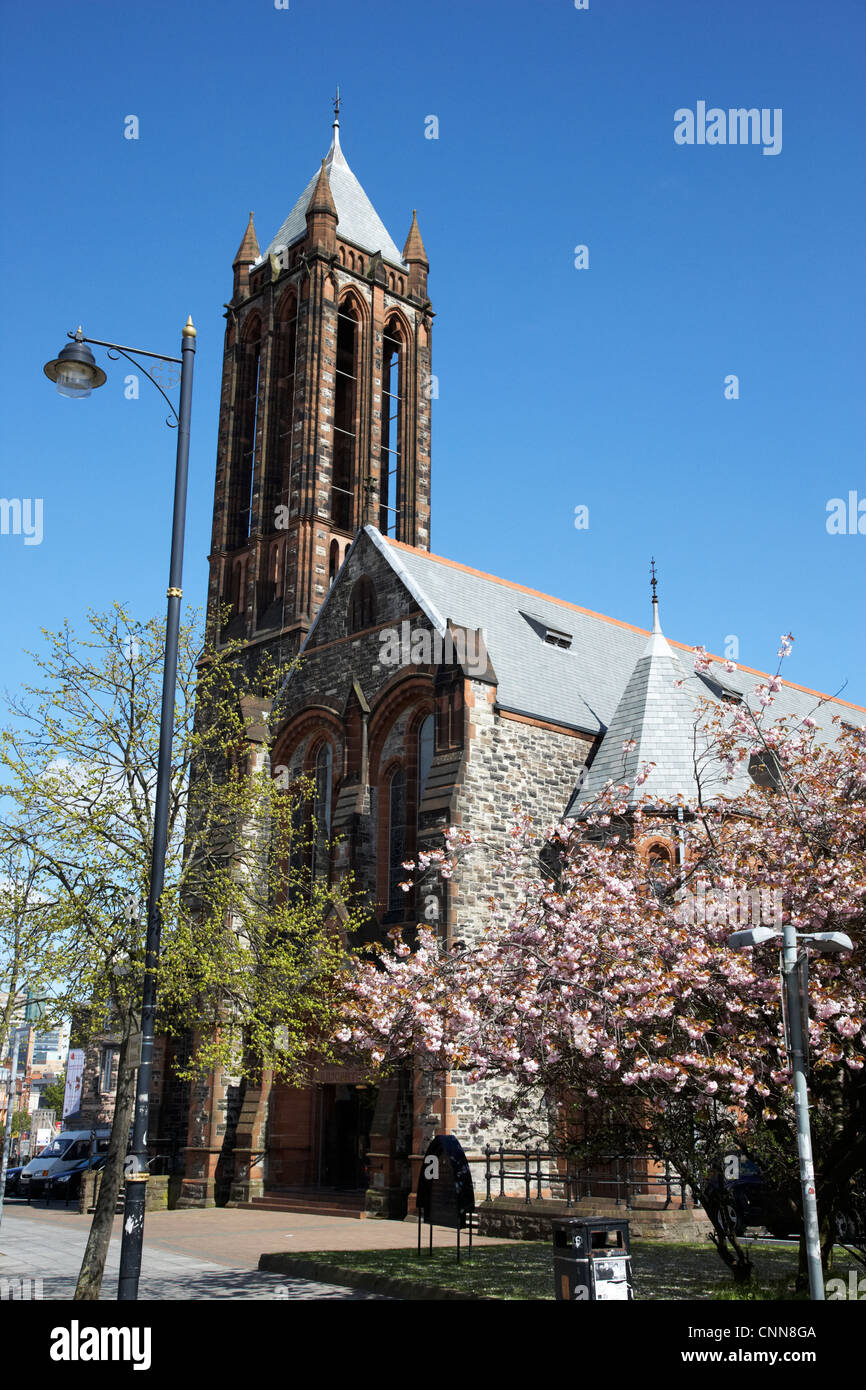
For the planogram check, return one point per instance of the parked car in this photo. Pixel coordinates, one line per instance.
(66, 1186)
(13, 1176)
(747, 1199)
(62, 1154)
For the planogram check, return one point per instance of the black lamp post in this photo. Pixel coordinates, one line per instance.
(76, 374)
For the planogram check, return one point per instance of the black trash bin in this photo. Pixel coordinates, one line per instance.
(591, 1260)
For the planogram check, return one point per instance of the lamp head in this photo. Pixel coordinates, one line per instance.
(754, 936)
(74, 369)
(828, 942)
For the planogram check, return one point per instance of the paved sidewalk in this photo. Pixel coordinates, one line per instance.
(229, 1236)
(42, 1244)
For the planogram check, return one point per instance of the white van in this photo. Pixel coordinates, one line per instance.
(69, 1148)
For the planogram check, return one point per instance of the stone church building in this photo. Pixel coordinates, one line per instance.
(429, 694)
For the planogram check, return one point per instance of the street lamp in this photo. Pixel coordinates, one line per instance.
(74, 368)
(76, 374)
(827, 943)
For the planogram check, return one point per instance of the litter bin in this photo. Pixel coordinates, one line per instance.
(591, 1260)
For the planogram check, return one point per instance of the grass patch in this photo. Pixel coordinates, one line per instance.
(523, 1270)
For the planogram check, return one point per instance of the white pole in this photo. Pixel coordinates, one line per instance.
(796, 1026)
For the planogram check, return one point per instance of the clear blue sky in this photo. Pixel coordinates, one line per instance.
(558, 387)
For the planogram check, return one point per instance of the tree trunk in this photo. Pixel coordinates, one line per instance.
(725, 1240)
(93, 1264)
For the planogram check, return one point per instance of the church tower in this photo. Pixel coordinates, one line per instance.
(324, 410)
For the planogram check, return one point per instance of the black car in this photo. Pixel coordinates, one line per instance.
(67, 1186)
(13, 1176)
(746, 1199)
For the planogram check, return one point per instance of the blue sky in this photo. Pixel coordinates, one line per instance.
(558, 387)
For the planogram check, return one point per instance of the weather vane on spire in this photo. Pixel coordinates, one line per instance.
(653, 578)
(337, 107)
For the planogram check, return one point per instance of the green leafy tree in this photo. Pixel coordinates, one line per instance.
(253, 944)
(25, 923)
(53, 1094)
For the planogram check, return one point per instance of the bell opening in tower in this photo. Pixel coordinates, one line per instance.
(345, 422)
(391, 457)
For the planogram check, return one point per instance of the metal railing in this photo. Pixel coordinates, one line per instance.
(541, 1171)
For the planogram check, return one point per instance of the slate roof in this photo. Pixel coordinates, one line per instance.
(614, 679)
(358, 222)
(579, 687)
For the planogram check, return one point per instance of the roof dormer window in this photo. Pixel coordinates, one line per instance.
(551, 636)
(555, 638)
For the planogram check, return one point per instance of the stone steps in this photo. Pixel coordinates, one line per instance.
(308, 1201)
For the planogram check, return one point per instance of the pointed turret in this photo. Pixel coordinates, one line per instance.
(323, 199)
(321, 215)
(247, 254)
(654, 722)
(416, 258)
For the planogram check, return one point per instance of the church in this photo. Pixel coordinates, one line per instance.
(429, 694)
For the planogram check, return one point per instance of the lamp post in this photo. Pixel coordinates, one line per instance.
(828, 943)
(76, 374)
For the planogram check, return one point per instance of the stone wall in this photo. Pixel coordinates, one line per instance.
(509, 762)
(516, 1220)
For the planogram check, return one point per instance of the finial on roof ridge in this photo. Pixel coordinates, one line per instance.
(654, 582)
(335, 126)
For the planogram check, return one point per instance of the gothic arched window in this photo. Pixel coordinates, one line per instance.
(345, 423)
(323, 780)
(278, 471)
(333, 561)
(659, 865)
(659, 857)
(391, 454)
(246, 431)
(362, 605)
(396, 838)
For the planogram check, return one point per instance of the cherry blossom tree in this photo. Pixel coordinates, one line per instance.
(598, 985)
